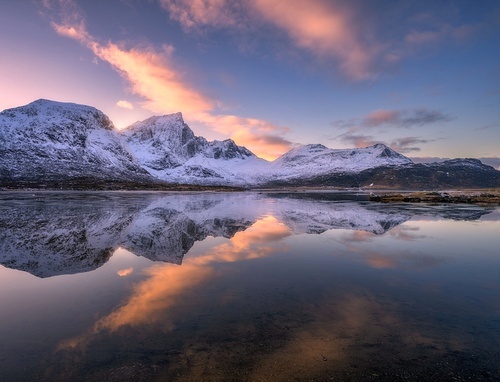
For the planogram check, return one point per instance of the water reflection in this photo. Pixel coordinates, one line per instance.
(248, 287)
(54, 234)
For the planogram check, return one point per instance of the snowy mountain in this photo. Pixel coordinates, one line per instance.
(62, 145)
(168, 149)
(48, 141)
(315, 160)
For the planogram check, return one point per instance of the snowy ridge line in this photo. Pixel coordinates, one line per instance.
(47, 141)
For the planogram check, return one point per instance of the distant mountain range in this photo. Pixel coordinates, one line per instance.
(48, 144)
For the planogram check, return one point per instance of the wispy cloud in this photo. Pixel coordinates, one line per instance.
(402, 145)
(404, 118)
(356, 40)
(394, 119)
(355, 129)
(358, 140)
(407, 144)
(125, 104)
(195, 13)
(442, 32)
(153, 75)
(489, 126)
(325, 29)
(149, 71)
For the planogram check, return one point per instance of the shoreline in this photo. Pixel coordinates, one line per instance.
(471, 196)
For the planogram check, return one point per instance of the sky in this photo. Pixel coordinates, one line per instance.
(421, 76)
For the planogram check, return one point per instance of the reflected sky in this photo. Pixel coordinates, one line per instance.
(263, 291)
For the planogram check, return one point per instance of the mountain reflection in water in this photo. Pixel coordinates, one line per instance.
(53, 234)
(246, 286)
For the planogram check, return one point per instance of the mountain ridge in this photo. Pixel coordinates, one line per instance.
(48, 143)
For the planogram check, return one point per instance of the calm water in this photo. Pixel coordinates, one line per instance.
(246, 286)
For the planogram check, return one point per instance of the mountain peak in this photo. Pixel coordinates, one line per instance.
(379, 146)
(44, 112)
(169, 130)
(384, 151)
(48, 140)
(47, 104)
(166, 119)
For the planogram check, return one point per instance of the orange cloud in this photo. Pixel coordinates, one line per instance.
(153, 76)
(125, 272)
(167, 283)
(125, 104)
(247, 245)
(149, 72)
(325, 30)
(261, 137)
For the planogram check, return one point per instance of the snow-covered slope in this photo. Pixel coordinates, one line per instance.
(48, 140)
(317, 159)
(64, 145)
(168, 149)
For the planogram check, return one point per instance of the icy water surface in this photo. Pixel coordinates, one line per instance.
(246, 287)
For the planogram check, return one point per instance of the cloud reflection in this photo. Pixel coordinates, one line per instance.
(125, 272)
(363, 247)
(166, 284)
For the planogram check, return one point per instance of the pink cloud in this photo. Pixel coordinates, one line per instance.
(148, 70)
(327, 31)
(152, 75)
(358, 140)
(338, 33)
(263, 138)
(125, 104)
(193, 13)
(379, 117)
(403, 118)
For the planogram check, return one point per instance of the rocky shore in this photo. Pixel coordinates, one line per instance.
(488, 196)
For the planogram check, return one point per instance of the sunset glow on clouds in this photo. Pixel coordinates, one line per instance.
(152, 75)
(327, 31)
(125, 104)
(147, 70)
(270, 74)
(166, 285)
